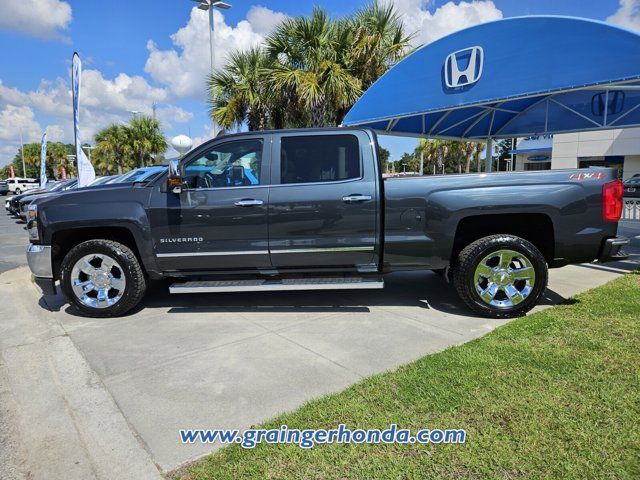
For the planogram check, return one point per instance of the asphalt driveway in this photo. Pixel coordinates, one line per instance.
(13, 241)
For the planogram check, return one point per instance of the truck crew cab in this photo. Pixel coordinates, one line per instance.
(309, 209)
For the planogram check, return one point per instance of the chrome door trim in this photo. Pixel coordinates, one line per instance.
(264, 252)
(321, 250)
(212, 254)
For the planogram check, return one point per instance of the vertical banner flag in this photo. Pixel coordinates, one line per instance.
(43, 161)
(86, 174)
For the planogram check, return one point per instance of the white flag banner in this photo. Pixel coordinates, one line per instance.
(86, 174)
(43, 161)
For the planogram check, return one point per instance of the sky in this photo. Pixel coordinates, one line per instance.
(141, 52)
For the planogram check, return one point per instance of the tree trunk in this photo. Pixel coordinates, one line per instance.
(317, 116)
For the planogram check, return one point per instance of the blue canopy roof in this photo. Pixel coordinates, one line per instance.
(510, 78)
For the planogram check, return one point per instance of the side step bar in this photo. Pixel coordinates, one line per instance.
(270, 285)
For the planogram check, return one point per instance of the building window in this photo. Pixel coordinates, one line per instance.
(531, 166)
(610, 161)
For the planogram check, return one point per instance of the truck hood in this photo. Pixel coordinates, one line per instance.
(97, 193)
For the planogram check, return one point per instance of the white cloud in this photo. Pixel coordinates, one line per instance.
(628, 15)
(7, 152)
(184, 68)
(38, 18)
(103, 101)
(263, 20)
(14, 120)
(171, 113)
(446, 19)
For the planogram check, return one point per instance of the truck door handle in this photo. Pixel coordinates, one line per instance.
(248, 202)
(356, 198)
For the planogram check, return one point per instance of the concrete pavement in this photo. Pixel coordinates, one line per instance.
(212, 360)
(88, 398)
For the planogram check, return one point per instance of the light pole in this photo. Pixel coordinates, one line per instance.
(24, 169)
(89, 148)
(208, 6)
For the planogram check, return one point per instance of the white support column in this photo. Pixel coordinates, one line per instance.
(488, 160)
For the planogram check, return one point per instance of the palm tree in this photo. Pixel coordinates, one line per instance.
(144, 139)
(113, 149)
(377, 42)
(309, 72)
(57, 157)
(240, 92)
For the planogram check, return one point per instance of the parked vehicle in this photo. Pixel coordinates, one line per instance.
(25, 200)
(308, 209)
(4, 188)
(105, 179)
(143, 174)
(58, 186)
(632, 187)
(20, 185)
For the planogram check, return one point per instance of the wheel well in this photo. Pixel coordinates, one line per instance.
(62, 242)
(537, 228)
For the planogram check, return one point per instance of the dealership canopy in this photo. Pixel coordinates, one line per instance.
(510, 78)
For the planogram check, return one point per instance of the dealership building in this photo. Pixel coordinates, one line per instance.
(616, 148)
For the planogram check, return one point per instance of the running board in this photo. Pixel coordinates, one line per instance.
(269, 285)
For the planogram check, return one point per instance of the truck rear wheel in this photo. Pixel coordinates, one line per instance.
(500, 276)
(102, 278)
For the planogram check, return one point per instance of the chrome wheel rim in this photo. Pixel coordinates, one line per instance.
(98, 281)
(504, 278)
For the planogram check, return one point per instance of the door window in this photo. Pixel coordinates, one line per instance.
(231, 164)
(319, 158)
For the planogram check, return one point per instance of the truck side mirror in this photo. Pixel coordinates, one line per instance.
(174, 180)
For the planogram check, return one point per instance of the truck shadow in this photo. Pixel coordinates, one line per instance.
(422, 290)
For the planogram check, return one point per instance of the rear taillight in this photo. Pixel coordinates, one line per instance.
(612, 201)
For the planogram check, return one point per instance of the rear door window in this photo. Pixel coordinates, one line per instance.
(319, 158)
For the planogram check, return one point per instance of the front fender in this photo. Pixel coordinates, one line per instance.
(81, 210)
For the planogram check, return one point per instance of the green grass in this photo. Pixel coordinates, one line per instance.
(552, 395)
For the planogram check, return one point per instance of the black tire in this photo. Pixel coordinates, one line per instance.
(17, 191)
(133, 291)
(469, 259)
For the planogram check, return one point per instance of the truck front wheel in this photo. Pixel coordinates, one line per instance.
(500, 276)
(102, 278)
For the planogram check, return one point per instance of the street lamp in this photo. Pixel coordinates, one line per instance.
(208, 6)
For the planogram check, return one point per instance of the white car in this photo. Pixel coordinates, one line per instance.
(21, 185)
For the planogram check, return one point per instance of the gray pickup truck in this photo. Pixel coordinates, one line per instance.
(309, 209)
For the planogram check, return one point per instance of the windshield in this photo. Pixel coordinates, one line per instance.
(140, 174)
(60, 185)
(53, 186)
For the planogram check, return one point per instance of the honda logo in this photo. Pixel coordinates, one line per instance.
(463, 67)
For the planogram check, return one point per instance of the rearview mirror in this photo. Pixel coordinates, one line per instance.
(174, 180)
